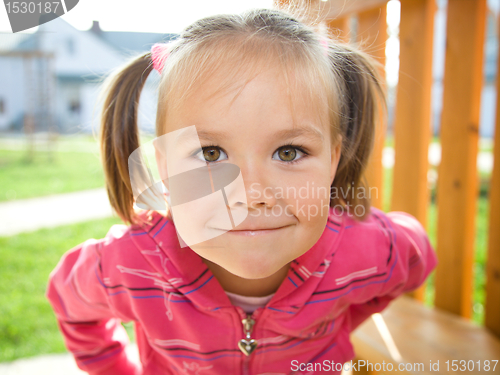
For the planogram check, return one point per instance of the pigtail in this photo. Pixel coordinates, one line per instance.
(119, 133)
(361, 98)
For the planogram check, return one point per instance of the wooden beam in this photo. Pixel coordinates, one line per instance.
(492, 305)
(412, 124)
(341, 8)
(331, 9)
(372, 36)
(412, 128)
(457, 179)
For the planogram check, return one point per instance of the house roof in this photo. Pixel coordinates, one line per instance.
(126, 42)
(132, 42)
(12, 41)
(29, 43)
(76, 50)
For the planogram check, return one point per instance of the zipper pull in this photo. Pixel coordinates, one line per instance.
(247, 345)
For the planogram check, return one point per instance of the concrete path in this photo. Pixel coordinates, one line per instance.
(52, 364)
(51, 211)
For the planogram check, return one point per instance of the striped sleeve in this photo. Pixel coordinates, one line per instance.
(91, 331)
(408, 260)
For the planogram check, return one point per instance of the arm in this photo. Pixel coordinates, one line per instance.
(91, 330)
(411, 259)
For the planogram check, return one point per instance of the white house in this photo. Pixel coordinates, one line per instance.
(55, 75)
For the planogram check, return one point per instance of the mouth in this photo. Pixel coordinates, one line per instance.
(254, 231)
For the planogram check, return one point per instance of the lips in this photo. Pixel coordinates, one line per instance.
(254, 228)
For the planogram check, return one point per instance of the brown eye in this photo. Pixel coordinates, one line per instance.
(287, 153)
(211, 153)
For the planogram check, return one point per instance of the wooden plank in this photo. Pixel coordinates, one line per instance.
(413, 109)
(425, 336)
(457, 181)
(341, 8)
(339, 29)
(360, 365)
(331, 9)
(492, 305)
(412, 124)
(372, 36)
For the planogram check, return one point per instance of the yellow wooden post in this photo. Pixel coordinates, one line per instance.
(412, 125)
(361, 368)
(457, 179)
(492, 306)
(372, 35)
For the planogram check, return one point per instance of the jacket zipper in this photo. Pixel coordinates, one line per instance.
(247, 344)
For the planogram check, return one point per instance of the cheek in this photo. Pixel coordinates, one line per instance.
(308, 196)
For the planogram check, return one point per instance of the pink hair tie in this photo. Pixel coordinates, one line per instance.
(159, 53)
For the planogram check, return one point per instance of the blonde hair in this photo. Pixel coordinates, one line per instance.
(329, 74)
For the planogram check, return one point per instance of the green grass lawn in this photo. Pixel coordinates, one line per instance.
(73, 165)
(59, 172)
(27, 324)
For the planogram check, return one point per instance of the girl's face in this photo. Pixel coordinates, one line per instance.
(287, 169)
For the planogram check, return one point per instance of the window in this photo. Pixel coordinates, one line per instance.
(74, 107)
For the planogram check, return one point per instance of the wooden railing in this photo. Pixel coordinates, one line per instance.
(457, 188)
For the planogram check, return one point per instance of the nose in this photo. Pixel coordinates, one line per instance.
(260, 191)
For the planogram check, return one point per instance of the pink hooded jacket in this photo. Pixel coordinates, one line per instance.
(185, 322)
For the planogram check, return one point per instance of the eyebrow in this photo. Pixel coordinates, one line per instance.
(302, 130)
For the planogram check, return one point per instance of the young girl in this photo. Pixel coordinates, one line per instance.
(286, 285)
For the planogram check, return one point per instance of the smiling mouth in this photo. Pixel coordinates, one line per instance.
(254, 232)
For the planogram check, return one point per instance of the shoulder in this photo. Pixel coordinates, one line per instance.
(378, 224)
(386, 253)
(375, 239)
(126, 241)
(371, 232)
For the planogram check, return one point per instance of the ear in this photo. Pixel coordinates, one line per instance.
(336, 153)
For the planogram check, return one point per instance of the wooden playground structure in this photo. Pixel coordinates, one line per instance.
(408, 332)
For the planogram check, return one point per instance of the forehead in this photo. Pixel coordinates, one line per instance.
(259, 100)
